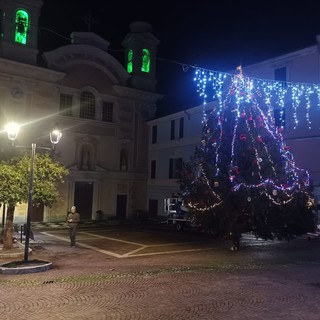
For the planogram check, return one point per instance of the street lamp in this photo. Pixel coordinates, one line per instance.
(55, 136)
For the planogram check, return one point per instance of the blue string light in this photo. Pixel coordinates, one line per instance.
(277, 95)
(253, 101)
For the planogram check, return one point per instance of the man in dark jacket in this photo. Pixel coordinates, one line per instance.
(73, 220)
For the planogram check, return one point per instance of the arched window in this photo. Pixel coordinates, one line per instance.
(130, 61)
(145, 66)
(22, 26)
(87, 105)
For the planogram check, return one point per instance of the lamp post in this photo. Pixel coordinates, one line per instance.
(55, 136)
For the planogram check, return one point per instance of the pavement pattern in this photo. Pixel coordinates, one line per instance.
(276, 280)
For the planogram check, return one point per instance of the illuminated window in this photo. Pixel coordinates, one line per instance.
(22, 26)
(87, 105)
(130, 62)
(145, 67)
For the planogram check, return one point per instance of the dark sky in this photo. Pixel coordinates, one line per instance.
(217, 35)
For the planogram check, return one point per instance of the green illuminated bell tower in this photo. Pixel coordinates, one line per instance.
(140, 56)
(19, 30)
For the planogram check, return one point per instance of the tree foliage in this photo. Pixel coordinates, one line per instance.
(14, 189)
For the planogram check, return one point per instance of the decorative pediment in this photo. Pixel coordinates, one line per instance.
(62, 58)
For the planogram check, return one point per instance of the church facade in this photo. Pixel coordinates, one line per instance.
(100, 105)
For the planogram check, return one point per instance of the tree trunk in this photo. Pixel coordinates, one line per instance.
(8, 231)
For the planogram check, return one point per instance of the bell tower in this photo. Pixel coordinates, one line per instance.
(19, 30)
(140, 55)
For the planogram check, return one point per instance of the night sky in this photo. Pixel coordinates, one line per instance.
(217, 35)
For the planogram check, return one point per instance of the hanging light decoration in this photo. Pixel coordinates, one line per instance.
(277, 95)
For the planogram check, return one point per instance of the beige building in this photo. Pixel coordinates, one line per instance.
(100, 106)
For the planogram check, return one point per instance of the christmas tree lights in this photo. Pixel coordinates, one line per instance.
(285, 96)
(243, 169)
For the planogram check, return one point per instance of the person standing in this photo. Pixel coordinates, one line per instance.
(73, 220)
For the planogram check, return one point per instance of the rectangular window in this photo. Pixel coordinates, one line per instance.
(175, 166)
(172, 129)
(154, 134)
(66, 104)
(181, 128)
(153, 169)
(279, 117)
(280, 74)
(87, 105)
(107, 111)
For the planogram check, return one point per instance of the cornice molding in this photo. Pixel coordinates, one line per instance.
(14, 68)
(136, 94)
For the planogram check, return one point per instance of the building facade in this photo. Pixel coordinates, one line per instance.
(100, 105)
(173, 139)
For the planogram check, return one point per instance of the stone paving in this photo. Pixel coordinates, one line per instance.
(276, 280)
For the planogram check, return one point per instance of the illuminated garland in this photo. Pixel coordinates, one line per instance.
(211, 84)
(198, 206)
(250, 103)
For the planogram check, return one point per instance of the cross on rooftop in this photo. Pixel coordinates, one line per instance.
(90, 21)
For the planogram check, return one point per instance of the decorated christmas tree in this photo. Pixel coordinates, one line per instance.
(243, 177)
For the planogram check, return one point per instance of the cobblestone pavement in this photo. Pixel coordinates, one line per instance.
(276, 280)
